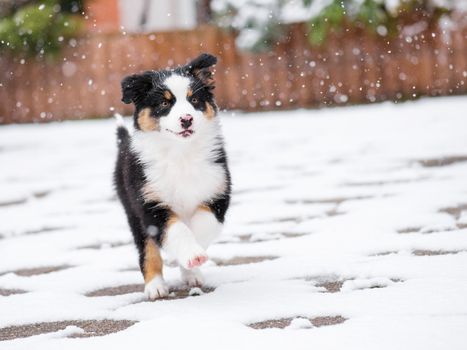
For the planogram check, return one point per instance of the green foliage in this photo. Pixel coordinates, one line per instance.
(329, 19)
(37, 29)
(259, 22)
(372, 15)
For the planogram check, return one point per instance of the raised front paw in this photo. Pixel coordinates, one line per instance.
(156, 288)
(197, 261)
(193, 256)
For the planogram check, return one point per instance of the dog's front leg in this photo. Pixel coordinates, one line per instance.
(179, 241)
(206, 228)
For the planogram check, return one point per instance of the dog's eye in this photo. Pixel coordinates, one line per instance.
(194, 100)
(165, 104)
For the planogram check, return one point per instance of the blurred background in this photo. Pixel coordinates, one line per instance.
(63, 59)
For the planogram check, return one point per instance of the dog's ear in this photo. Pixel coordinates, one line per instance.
(135, 87)
(201, 66)
(203, 61)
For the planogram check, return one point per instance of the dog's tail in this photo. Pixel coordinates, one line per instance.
(122, 132)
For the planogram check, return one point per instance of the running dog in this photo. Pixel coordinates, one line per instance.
(171, 175)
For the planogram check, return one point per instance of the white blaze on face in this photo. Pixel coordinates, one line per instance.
(179, 86)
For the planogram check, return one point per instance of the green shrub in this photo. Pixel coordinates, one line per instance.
(259, 22)
(37, 29)
(372, 15)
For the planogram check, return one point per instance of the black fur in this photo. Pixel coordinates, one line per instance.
(129, 179)
(134, 87)
(219, 205)
(203, 61)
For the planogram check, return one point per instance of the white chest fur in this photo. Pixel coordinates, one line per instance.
(181, 174)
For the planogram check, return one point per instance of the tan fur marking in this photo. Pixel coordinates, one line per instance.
(209, 112)
(189, 92)
(149, 195)
(146, 122)
(152, 261)
(206, 76)
(204, 207)
(172, 220)
(168, 95)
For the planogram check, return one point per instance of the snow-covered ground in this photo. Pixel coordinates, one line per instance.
(353, 218)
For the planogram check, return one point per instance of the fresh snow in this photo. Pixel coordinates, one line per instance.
(322, 195)
(293, 11)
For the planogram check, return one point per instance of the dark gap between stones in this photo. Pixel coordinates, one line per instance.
(45, 229)
(92, 328)
(7, 291)
(180, 292)
(13, 202)
(37, 270)
(285, 322)
(454, 211)
(243, 260)
(409, 230)
(104, 245)
(440, 162)
(336, 201)
(423, 252)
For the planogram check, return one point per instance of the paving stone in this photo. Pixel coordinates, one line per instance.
(92, 328)
(285, 322)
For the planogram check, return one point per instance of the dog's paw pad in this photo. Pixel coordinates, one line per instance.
(156, 289)
(191, 256)
(197, 261)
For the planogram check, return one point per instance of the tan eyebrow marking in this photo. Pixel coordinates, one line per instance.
(168, 95)
(204, 207)
(189, 92)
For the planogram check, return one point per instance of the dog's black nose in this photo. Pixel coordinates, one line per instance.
(186, 121)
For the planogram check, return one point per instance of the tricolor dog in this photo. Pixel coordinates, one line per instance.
(171, 173)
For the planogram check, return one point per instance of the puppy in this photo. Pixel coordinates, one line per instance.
(171, 174)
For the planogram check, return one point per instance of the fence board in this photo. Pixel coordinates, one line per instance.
(352, 67)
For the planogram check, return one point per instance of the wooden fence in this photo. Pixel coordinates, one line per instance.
(353, 67)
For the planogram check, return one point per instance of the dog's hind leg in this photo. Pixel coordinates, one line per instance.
(155, 286)
(150, 261)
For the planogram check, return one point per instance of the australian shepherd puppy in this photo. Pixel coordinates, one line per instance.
(171, 173)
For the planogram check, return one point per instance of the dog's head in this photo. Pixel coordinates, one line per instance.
(178, 103)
